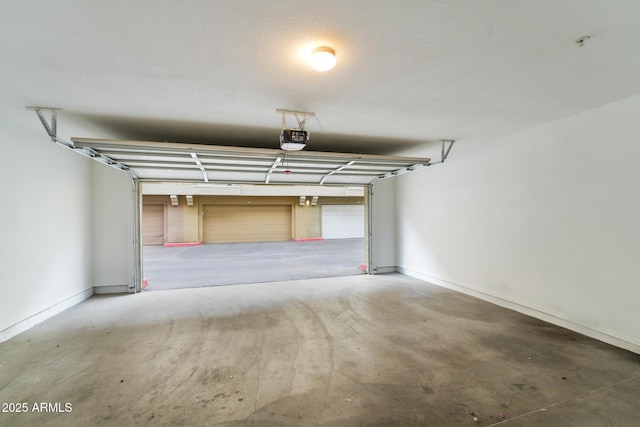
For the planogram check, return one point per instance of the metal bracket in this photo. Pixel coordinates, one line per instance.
(302, 122)
(338, 169)
(446, 148)
(194, 156)
(273, 167)
(52, 130)
(445, 151)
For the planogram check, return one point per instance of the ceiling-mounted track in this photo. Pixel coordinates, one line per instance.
(52, 130)
(166, 161)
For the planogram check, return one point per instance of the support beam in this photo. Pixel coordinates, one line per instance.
(324, 178)
(202, 169)
(52, 131)
(444, 153)
(273, 167)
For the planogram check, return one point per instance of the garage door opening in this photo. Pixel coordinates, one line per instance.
(220, 235)
(191, 170)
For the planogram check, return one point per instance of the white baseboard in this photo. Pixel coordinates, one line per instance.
(45, 314)
(624, 343)
(111, 289)
(386, 269)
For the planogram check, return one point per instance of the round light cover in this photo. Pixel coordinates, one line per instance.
(323, 58)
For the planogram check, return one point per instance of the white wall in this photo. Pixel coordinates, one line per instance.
(545, 221)
(383, 220)
(113, 229)
(45, 224)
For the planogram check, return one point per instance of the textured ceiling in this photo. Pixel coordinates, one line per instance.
(408, 72)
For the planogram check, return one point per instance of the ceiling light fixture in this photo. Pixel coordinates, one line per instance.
(323, 58)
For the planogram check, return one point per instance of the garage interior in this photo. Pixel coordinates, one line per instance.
(502, 285)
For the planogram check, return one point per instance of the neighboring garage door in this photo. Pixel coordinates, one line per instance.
(153, 224)
(342, 221)
(255, 223)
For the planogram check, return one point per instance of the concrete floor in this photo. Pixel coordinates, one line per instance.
(258, 262)
(382, 350)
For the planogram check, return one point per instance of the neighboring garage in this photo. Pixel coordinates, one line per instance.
(153, 224)
(246, 223)
(259, 214)
(342, 221)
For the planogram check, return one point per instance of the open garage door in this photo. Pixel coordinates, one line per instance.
(201, 170)
(342, 221)
(210, 163)
(256, 223)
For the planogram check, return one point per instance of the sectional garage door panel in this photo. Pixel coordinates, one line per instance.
(243, 223)
(212, 163)
(152, 224)
(342, 221)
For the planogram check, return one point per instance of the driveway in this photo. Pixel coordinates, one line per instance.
(241, 263)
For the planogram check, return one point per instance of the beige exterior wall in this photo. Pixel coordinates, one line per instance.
(191, 220)
(185, 224)
(306, 221)
(175, 221)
